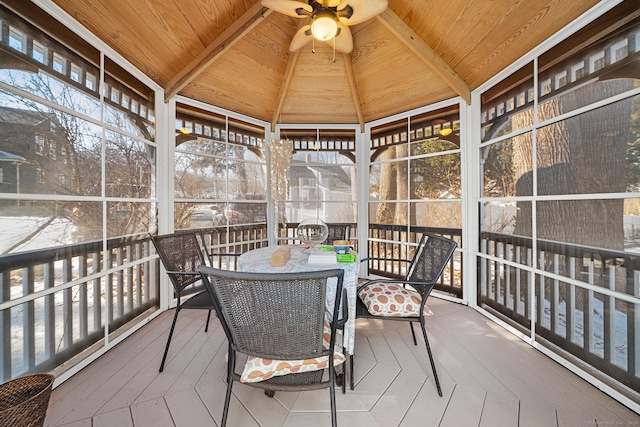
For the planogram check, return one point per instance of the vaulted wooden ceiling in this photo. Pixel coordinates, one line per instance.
(235, 53)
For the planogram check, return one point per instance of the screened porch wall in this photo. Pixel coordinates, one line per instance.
(523, 275)
(77, 201)
(415, 187)
(559, 205)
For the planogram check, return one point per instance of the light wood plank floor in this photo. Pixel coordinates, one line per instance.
(489, 378)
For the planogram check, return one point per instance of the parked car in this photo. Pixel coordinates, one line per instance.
(209, 193)
(245, 213)
(206, 216)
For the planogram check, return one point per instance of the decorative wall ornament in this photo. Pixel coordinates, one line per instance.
(281, 152)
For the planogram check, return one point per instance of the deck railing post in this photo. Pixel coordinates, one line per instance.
(5, 327)
(67, 305)
(49, 311)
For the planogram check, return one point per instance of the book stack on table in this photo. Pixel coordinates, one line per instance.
(323, 257)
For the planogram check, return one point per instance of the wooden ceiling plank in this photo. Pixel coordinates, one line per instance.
(351, 79)
(220, 45)
(418, 46)
(477, 39)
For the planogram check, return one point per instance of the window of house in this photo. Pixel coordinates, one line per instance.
(39, 143)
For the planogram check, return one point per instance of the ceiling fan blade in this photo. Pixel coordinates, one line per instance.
(289, 7)
(301, 38)
(362, 10)
(344, 41)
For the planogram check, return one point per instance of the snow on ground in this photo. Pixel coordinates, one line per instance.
(13, 231)
(598, 333)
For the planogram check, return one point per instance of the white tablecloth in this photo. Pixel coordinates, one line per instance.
(259, 261)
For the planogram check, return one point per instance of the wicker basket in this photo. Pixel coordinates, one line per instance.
(24, 400)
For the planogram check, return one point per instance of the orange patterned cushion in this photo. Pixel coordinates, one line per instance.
(260, 369)
(391, 300)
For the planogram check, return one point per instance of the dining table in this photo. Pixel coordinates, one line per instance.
(259, 261)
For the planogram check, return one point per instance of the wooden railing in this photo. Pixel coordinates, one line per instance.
(54, 303)
(396, 242)
(585, 300)
(287, 233)
(223, 243)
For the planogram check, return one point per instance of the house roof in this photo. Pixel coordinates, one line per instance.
(235, 54)
(331, 176)
(16, 116)
(8, 157)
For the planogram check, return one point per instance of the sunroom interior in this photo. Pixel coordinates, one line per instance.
(508, 127)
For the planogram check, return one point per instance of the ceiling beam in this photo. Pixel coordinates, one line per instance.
(220, 45)
(420, 48)
(351, 79)
(286, 81)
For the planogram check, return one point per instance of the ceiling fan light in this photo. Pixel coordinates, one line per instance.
(324, 26)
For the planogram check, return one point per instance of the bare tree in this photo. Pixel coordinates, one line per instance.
(581, 155)
(387, 188)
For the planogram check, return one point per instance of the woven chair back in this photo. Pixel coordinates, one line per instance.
(337, 232)
(273, 315)
(430, 258)
(180, 252)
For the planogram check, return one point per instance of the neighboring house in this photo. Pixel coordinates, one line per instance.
(306, 183)
(31, 161)
(311, 185)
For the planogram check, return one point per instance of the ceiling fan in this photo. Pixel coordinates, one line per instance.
(329, 20)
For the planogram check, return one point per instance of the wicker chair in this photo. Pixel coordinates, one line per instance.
(337, 232)
(409, 296)
(181, 255)
(278, 317)
(222, 260)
